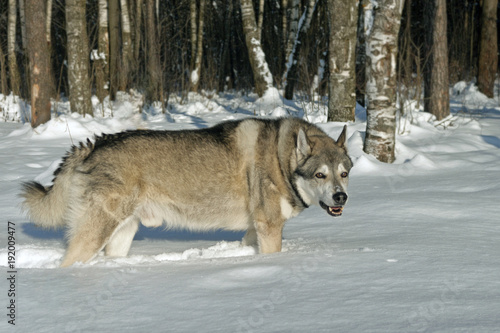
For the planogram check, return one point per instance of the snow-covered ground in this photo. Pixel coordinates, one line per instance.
(416, 250)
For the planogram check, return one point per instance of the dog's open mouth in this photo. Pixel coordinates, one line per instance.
(333, 211)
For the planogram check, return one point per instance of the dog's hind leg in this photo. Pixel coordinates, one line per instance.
(89, 234)
(121, 240)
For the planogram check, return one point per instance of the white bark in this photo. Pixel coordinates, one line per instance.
(381, 51)
(293, 27)
(126, 45)
(291, 66)
(303, 25)
(11, 48)
(196, 71)
(12, 19)
(101, 59)
(261, 73)
(194, 29)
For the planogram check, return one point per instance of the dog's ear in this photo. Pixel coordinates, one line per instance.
(342, 138)
(303, 146)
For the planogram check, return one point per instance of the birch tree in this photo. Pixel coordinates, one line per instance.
(260, 19)
(197, 22)
(488, 52)
(262, 77)
(292, 63)
(293, 27)
(126, 46)
(436, 79)
(39, 61)
(382, 27)
(101, 57)
(15, 79)
(78, 57)
(343, 19)
(284, 21)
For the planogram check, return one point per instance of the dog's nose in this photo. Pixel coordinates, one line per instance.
(340, 198)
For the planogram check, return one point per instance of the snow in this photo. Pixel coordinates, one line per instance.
(262, 65)
(194, 77)
(96, 55)
(416, 250)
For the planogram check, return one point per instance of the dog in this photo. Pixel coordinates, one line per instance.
(246, 175)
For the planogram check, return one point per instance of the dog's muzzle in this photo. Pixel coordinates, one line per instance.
(339, 199)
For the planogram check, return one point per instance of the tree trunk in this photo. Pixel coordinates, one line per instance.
(436, 79)
(343, 20)
(262, 77)
(114, 47)
(293, 27)
(39, 62)
(154, 91)
(260, 19)
(488, 52)
(48, 21)
(78, 57)
(360, 57)
(292, 64)
(15, 79)
(137, 33)
(381, 49)
(198, 45)
(101, 65)
(22, 19)
(126, 47)
(4, 88)
(194, 30)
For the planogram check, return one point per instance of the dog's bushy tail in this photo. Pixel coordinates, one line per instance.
(45, 206)
(48, 206)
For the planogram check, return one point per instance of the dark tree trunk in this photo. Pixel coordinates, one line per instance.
(436, 79)
(343, 19)
(114, 47)
(488, 52)
(39, 62)
(3, 74)
(154, 91)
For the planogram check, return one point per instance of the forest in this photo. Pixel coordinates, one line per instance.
(413, 83)
(331, 50)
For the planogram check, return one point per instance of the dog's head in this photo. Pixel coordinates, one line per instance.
(322, 172)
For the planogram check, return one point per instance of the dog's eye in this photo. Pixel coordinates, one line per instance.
(320, 175)
(343, 174)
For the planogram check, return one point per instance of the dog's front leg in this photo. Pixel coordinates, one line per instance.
(269, 237)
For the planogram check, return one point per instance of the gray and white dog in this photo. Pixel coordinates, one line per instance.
(250, 174)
